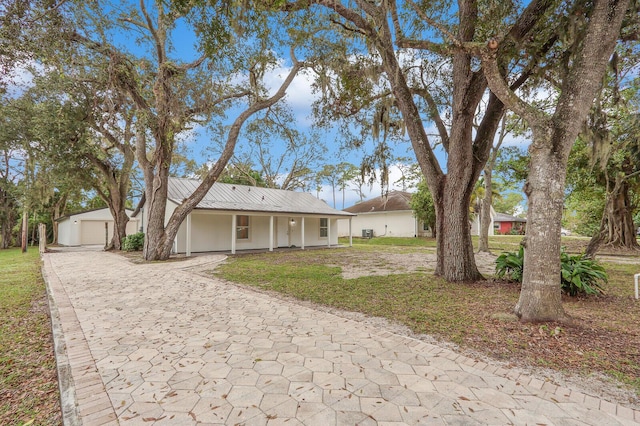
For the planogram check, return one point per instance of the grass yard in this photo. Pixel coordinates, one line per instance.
(28, 381)
(604, 338)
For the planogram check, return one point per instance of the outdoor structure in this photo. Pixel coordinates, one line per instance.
(88, 227)
(385, 216)
(475, 222)
(238, 217)
(507, 224)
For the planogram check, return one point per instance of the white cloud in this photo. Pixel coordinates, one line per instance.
(20, 77)
(299, 96)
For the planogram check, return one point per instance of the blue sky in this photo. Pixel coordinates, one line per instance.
(299, 99)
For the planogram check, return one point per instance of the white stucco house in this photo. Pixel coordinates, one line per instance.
(389, 215)
(88, 227)
(237, 217)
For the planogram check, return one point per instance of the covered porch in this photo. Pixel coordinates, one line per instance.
(230, 231)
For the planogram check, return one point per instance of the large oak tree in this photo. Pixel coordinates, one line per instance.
(405, 66)
(592, 31)
(172, 93)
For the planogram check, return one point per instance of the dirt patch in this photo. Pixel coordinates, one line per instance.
(358, 264)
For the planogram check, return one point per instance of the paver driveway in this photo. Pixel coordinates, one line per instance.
(159, 344)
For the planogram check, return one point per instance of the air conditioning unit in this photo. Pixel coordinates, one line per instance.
(367, 233)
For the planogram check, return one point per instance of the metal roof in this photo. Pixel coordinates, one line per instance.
(128, 211)
(393, 201)
(232, 197)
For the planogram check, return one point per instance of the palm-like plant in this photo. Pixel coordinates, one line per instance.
(579, 274)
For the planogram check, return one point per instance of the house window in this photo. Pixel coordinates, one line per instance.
(324, 227)
(242, 227)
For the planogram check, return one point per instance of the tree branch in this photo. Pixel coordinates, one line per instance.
(232, 138)
(154, 33)
(448, 35)
(502, 90)
(435, 115)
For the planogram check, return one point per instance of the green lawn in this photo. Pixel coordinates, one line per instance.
(28, 381)
(605, 337)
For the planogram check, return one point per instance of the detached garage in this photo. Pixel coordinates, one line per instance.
(88, 228)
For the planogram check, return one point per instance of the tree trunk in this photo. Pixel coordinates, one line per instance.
(5, 234)
(540, 295)
(553, 137)
(57, 212)
(455, 258)
(156, 245)
(34, 230)
(8, 220)
(25, 229)
(617, 229)
(485, 212)
(120, 221)
(118, 190)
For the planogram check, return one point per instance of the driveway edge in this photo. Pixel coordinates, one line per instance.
(87, 398)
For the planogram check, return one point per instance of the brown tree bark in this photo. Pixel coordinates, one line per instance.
(114, 186)
(485, 210)
(617, 229)
(55, 214)
(553, 137)
(24, 231)
(8, 219)
(540, 296)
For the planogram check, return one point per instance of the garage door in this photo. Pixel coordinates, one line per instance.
(93, 232)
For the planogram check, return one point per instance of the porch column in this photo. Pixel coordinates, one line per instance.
(302, 232)
(329, 231)
(233, 233)
(271, 233)
(189, 235)
(350, 234)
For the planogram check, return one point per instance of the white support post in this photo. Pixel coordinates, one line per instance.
(234, 221)
(302, 233)
(328, 232)
(271, 233)
(189, 235)
(350, 233)
(636, 277)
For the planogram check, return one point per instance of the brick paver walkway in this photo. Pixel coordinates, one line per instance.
(158, 344)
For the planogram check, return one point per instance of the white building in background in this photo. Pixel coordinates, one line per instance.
(91, 227)
(384, 216)
(392, 216)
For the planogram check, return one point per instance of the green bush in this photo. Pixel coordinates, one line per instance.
(133, 242)
(579, 274)
(510, 264)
